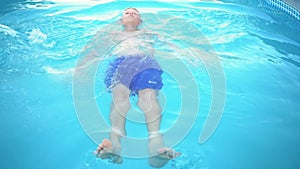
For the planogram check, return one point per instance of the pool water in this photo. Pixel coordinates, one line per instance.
(259, 52)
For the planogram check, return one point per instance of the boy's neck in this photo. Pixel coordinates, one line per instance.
(130, 29)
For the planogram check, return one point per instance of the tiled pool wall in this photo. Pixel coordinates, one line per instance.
(287, 6)
(286, 11)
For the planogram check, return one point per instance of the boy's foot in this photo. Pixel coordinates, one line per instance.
(168, 153)
(105, 151)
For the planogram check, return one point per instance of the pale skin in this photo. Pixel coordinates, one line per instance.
(148, 103)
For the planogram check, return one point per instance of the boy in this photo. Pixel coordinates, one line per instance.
(134, 71)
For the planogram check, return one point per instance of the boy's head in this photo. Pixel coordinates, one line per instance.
(131, 18)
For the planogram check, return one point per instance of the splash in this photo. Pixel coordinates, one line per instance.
(7, 30)
(36, 36)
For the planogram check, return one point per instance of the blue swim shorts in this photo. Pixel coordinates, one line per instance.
(135, 72)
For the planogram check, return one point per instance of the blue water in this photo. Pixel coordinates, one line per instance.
(41, 43)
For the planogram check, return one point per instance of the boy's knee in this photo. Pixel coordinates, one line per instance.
(120, 94)
(147, 100)
(144, 103)
(147, 95)
(121, 100)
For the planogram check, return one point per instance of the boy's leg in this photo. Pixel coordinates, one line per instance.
(159, 155)
(120, 105)
(149, 104)
(119, 108)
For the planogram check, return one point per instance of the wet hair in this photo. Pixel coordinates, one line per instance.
(133, 9)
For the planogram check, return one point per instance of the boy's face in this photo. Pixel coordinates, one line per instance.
(131, 17)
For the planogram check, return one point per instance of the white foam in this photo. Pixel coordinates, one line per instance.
(7, 30)
(36, 36)
(100, 17)
(52, 70)
(85, 2)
